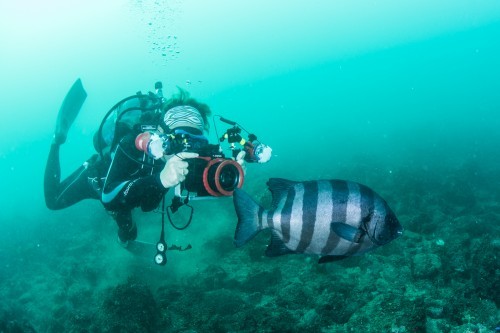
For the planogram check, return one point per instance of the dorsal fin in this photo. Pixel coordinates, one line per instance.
(279, 188)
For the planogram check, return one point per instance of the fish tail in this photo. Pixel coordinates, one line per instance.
(248, 212)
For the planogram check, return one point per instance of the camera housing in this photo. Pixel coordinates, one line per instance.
(211, 174)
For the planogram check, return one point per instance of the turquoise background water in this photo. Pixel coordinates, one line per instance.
(403, 81)
(396, 95)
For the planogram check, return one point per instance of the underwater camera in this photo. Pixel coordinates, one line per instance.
(210, 174)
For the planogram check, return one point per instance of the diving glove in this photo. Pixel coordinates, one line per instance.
(175, 169)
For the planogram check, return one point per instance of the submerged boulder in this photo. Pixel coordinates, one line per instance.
(129, 307)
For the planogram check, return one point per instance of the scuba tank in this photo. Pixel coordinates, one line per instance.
(122, 118)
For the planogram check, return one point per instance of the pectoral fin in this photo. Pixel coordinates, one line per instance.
(347, 232)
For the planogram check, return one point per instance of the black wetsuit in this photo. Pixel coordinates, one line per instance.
(127, 180)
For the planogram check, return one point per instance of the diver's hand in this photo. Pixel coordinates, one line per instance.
(175, 169)
(240, 159)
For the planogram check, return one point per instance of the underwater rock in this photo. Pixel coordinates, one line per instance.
(487, 285)
(470, 328)
(261, 280)
(13, 326)
(293, 296)
(309, 321)
(435, 308)
(485, 272)
(129, 307)
(166, 295)
(213, 277)
(426, 265)
(274, 320)
(12, 320)
(213, 311)
(223, 302)
(390, 313)
(335, 307)
(436, 326)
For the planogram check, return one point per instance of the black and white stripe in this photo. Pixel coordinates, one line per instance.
(331, 218)
(323, 218)
(309, 209)
(293, 226)
(339, 195)
(303, 217)
(304, 212)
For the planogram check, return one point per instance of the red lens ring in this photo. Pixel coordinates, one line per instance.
(217, 175)
(205, 177)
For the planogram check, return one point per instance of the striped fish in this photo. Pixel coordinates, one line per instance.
(331, 218)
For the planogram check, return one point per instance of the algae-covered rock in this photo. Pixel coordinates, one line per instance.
(260, 280)
(390, 313)
(470, 328)
(426, 265)
(310, 321)
(485, 272)
(220, 310)
(14, 326)
(13, 320)
(128, 307)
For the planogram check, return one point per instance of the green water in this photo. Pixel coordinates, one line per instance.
(401, 98)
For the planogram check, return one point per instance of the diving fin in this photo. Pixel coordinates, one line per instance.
(70, 108)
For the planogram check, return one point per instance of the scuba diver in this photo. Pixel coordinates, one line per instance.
(116, 178)
(145, 146)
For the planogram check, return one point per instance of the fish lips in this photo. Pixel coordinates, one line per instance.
(387, 229)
